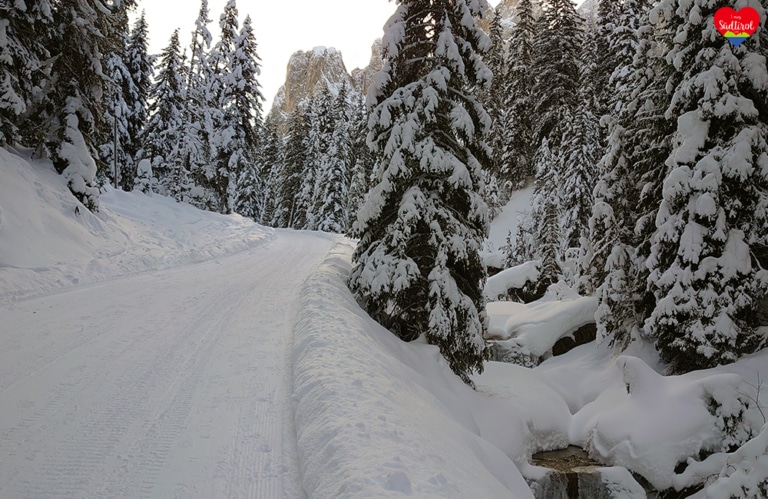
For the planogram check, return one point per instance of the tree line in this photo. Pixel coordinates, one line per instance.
(643, 133)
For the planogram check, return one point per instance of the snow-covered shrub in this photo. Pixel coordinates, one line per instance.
(145, 180)
(665, 420)
(519, 283)
(513, 352)
(742, 473)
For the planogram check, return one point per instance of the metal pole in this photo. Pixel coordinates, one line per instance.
(115, 153)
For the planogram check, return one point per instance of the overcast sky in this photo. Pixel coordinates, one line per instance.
(281, 28)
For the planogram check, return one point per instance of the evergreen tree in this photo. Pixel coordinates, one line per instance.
(580, 149)
(703, 273)
(291, 174)
(272, 161)
(245, 113)
(604, 57)
(334, 170)
(632, 172)
(558, 54)
(494, 102)
(165, 129)
(73, 111)
(613, 218)
(226, 145)
(23, 30)
(360, 160)
(145, 179)
(416, 268)
(140, 67)
(610, 265)
(114, 160)
(318, 145)
(201, 112)
(650, 142)
(545, 226)
(519, 145)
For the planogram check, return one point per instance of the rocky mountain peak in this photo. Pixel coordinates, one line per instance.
(309, 73)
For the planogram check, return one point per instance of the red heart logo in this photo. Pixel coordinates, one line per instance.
(736, 26)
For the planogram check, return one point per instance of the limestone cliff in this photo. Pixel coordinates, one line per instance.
(306, 75)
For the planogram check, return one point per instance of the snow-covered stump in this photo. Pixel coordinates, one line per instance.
(573, 475)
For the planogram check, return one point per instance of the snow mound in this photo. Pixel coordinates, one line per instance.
(49, 240)
(377, 417)
(658, 422)
(536, 327)
(516, 277)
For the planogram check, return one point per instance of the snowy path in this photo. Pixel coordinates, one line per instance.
(168, 384)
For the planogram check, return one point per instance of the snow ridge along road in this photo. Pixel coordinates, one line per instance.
(175, 383)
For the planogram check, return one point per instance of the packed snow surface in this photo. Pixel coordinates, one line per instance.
(154, 350)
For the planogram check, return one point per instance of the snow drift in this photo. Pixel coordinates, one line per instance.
(49, 240)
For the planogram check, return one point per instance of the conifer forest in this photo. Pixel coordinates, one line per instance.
(641, 130)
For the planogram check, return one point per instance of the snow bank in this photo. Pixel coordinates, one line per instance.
(49, 240)
(376, 417)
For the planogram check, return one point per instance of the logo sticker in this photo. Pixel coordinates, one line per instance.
(736, 26)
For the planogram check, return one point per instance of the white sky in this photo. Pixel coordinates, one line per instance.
(281, 28)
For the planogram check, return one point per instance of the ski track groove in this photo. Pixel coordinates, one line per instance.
(193, 400)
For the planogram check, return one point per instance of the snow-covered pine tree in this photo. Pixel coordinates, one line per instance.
(604, 56)
(519, 146)
(225, 147)
(610, 265)
(361, 161)
(580, 150)
(334, 169)
(73, 114)
(272, 161)
(494, 102)
(145, 179)
(318, 144)
(23, 29)
(201, 111)
(558, 49)
(652, 127)
(417, 269)
(290, 175)
(140, 67)
(703, 272)
(545, 209)
(246, 115)
(556, 100)
(114, 159)
(163, 135)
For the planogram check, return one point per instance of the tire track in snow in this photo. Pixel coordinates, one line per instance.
(189, 398)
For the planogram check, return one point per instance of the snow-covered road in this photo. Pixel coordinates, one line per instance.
(167, 384)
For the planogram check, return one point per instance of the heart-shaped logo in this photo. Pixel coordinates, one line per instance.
(736, 26)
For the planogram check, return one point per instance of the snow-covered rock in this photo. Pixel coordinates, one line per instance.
(534, 328)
